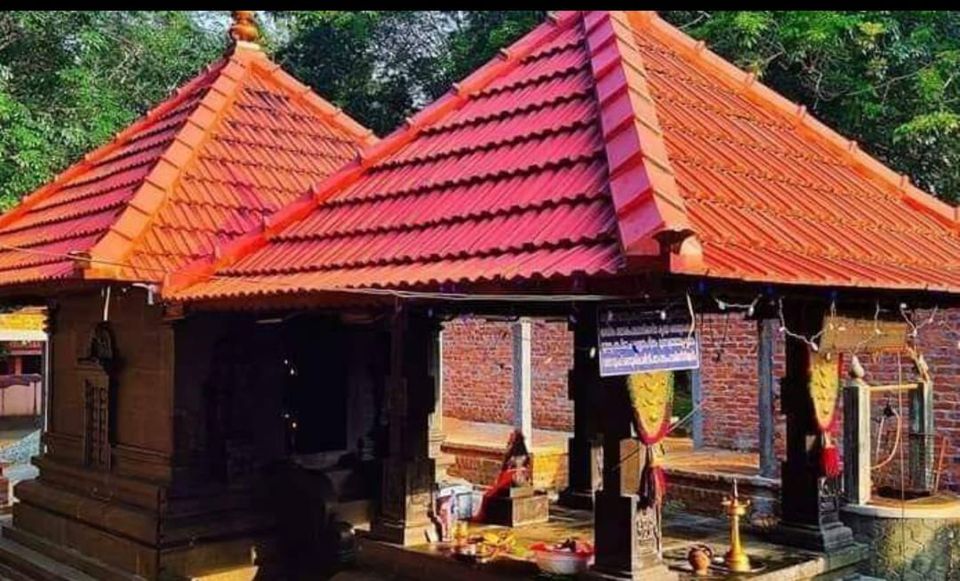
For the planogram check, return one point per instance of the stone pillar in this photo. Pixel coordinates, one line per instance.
(522, 380)
(583, 384)
(766, 329)
(625, 535)
(436, 418)
(856, 442)
(922, 449)
(810, 505)
(408, 469)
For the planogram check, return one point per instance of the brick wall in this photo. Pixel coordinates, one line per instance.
(478, 372)
(729, 378)
(478, 375)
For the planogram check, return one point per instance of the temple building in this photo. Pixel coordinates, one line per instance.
(247, 291)
(218, 158)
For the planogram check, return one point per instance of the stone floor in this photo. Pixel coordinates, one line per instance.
(681, 531)
(679, 451)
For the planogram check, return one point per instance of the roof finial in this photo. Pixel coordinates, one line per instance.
(244, 27)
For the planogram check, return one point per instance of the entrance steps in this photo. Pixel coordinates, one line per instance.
(25, 557)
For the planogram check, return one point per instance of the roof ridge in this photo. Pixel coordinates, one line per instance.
(508, 59)
(88, 160)
(109, 253)
(746, 84)
(306, 95)
(650, 210)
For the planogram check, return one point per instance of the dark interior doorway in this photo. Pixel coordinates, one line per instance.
(315, 394)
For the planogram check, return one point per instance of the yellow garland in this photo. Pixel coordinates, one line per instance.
(651, 395)
(824, 387)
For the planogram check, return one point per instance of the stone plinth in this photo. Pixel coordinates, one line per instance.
(919, 542)
(520, 507)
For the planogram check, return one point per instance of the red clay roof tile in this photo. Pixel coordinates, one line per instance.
(236, 143)
(596, 138)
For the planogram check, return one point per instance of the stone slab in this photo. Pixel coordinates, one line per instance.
(517, 511)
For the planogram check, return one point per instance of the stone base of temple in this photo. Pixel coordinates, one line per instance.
(399, 533)
(135, 540)
(659, 572)
(824, 539)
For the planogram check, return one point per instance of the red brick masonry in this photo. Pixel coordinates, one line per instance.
(478, 367)
(478, 372)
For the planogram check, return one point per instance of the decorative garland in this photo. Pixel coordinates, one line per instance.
(651, 396)
(825, 392)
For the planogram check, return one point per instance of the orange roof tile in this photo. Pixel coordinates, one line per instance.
(229, 148)
(599, 144)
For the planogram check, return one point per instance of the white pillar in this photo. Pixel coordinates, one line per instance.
(522, 379)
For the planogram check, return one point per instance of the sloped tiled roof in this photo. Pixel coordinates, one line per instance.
(229, 148)
(601, 143)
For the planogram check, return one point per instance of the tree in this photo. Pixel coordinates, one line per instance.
(382, 66)
(885, 79)
(69, 81)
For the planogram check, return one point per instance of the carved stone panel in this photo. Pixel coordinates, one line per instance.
(96, 417)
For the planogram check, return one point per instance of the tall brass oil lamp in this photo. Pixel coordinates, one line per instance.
(736, 558)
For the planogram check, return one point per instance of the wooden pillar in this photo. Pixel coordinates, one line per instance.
(583, 387)
(408, 470)
(767, 329)
(625, 535)
(810, 505)
(522, 380)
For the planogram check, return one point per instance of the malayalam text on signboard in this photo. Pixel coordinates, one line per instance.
(643, 339)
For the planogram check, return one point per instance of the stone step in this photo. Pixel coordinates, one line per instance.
(43, 560)
(10, 574)
(35, 566)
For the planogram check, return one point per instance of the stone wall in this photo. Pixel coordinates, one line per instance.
(912, 549)
(478, 372)
(144, 393)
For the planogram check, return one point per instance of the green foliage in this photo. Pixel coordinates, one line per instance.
(382, 66)
(886, 79)
(69, 81)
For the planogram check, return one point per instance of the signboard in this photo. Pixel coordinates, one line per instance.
(863, 335)
(20, 321)
(22, 325)
(644, 339)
